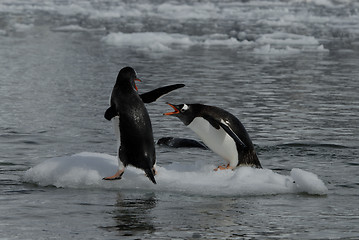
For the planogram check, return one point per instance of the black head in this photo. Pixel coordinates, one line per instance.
(185, 112)
(127, 77)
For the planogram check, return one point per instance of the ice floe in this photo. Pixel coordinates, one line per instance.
(86, 170)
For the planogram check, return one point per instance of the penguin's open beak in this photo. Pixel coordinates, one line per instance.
(137, 79)
(175, 108)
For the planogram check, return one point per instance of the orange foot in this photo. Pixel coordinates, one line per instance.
(118, 175)
(223, 168)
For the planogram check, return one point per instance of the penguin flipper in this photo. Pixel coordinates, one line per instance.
(217, 124)
(110, 113)
(155, 94)
(212, 121)
(228, 130)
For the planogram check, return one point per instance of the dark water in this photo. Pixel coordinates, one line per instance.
(293, 83)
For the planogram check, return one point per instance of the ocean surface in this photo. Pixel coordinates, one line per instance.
(289, 70)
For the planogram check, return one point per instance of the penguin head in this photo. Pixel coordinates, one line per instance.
(127, 77)
(185, 112)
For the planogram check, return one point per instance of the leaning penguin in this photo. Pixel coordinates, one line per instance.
(222, 132)
(132, 123)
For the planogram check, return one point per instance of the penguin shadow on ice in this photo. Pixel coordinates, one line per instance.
(132, 124)
(220, 131)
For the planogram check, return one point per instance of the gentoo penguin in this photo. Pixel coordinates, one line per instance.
(180, 143)
(132, 124)
(222, 132)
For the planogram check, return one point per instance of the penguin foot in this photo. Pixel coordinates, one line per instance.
(223, 168)
(117, 176)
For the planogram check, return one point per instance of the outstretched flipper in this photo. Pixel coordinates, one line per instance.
(147, 97)
(155, 94)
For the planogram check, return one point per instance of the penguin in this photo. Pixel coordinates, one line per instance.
(132, 124)
(181, 143)
(221, 131)
(147, 97)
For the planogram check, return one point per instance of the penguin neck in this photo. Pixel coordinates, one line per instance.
(123, 86)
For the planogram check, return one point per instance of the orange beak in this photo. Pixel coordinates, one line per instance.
(171, 113)
(137, 79)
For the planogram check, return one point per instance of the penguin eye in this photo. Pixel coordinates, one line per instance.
(184, 108)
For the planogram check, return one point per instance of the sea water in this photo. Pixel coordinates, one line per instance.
(288, 70)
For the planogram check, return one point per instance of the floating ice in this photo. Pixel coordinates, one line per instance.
(148, 41)
(161, 41)
(283, 38)
(185, 12)
(278, 43)
(86, 170)
(77, 28)
(277, 51)
(304, 179)
(282, 43)
(268, 49)
(70, 28)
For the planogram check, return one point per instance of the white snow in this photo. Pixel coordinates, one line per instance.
(86, 170)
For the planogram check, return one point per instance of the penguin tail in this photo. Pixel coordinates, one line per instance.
(150, 174)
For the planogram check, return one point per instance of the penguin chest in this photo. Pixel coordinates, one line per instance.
(116, 127)
(216, 139)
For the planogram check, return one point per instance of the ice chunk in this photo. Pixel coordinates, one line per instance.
(86, 170)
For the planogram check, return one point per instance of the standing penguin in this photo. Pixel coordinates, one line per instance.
(222, 132)
(132, 124)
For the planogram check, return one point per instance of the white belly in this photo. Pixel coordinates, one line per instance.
(216, 139)
(116, 127)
